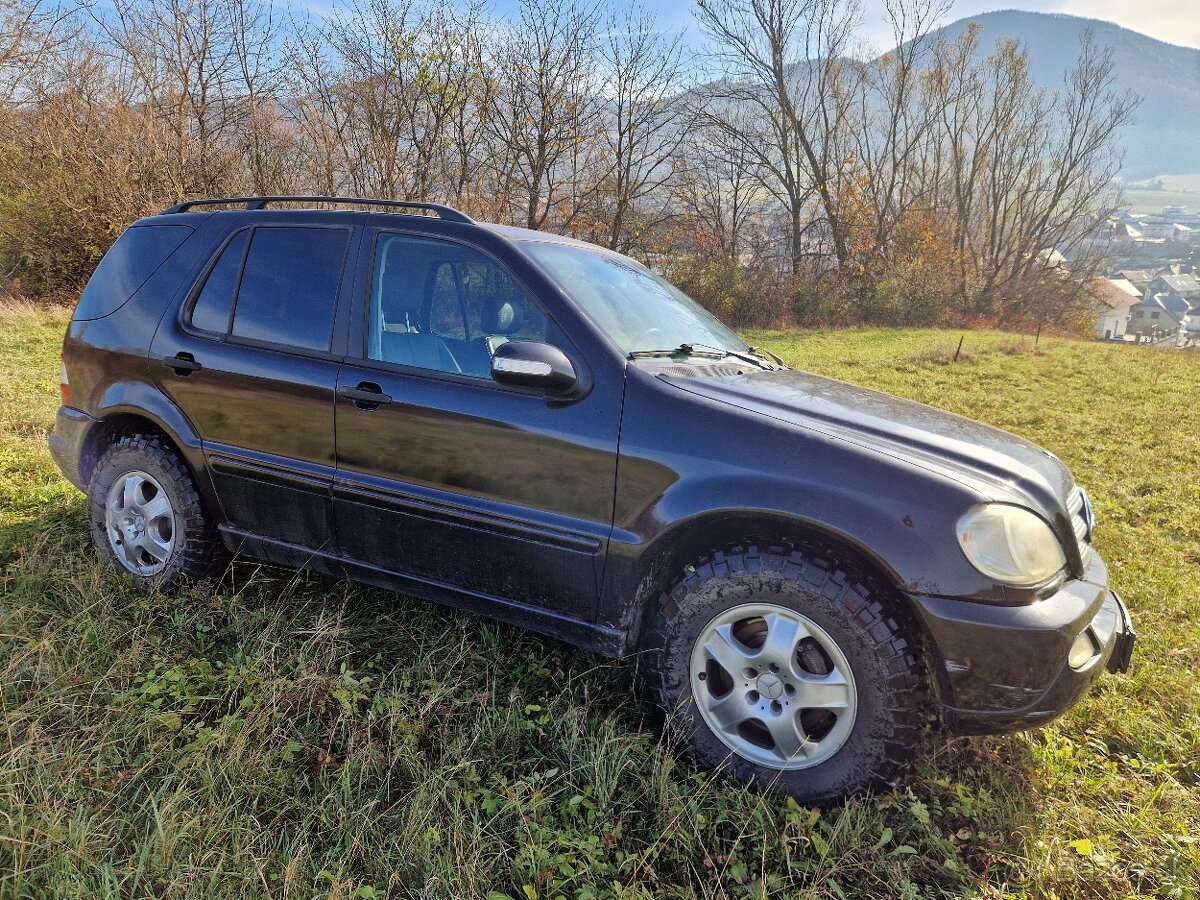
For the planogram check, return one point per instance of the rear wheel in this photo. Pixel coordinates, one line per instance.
(146, 516)
(789, 671)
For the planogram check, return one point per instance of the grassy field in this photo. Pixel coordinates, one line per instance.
(1177, 190)
(283, 735)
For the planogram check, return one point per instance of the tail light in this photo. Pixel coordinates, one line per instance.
(64, 384)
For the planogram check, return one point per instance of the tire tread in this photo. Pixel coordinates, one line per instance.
(201, 553)
(865, 601)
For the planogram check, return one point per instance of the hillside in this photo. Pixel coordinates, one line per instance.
(290, 736)
(1165, 137)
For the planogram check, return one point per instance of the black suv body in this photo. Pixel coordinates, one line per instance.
(454, 411)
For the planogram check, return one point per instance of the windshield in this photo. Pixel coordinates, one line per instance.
(638, 309)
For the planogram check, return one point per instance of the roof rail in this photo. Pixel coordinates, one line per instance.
(449, 213)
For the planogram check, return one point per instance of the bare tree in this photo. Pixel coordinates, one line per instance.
(1021, 169)
(267, 147)
(29, 31)
(544, 114)
(896, 122)
(645, 122)
(386, 93)
(933, 175)
(80, 164)
(788, 60)
(719, 184)
(195, 63)
(312, 78)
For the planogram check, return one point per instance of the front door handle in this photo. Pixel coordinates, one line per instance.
(367, 395)
(182, 363)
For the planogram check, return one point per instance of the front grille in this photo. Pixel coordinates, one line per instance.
(1079, 508)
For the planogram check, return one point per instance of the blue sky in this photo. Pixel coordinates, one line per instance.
(1174, 21)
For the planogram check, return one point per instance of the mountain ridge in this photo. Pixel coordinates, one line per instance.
(1164, 138)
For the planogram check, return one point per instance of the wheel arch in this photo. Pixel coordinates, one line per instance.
(140, 409)
(688, 543)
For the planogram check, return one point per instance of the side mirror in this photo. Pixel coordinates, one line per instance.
(534, 365)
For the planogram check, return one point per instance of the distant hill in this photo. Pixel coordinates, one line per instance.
(1165, 136)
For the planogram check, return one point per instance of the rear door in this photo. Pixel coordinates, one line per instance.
(249, 360)
(451, 478)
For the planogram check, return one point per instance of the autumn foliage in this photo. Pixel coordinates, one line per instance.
(788, 179)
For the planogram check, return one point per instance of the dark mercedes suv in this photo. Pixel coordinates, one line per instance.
(545, 432)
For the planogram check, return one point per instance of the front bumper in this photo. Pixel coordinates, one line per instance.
(1004, 668)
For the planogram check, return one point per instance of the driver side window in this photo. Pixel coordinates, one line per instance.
(442, 306)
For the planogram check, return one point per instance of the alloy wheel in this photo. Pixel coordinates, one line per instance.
(140, 523)
(773, 686)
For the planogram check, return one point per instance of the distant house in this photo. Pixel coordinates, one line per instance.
(1141, 278)
(1051, 258)
(1124, 284)
(1113, 303)
(1193, 323)
(1127, 231)
(1177, 285)
(1159, 317)
(1154, 232)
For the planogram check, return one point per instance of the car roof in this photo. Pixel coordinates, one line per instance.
(267, 207)
(514, 233)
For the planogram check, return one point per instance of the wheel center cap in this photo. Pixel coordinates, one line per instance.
(769, 685)
(136, 526)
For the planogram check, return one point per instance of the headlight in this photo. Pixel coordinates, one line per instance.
(1010, 544)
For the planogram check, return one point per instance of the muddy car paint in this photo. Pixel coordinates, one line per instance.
(568, 514)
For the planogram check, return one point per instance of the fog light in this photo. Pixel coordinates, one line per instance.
(1082, 650)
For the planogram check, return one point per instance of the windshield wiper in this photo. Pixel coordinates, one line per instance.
(710, 351)
(763, 351)
(758, 360)
(681, 350)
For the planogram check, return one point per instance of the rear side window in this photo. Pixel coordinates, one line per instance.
(289, 285)
(128, 265)
(276, 285)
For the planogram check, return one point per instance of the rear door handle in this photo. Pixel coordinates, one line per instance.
(182, 363)
(367, 395)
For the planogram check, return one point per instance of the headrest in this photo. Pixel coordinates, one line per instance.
(501, 317)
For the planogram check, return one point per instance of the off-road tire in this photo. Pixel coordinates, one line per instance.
(854, 609)
(198, 552)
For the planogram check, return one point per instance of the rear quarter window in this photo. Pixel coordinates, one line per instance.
(127, 265)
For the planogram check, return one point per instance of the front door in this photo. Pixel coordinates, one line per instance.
(450, 478)
(248, 361)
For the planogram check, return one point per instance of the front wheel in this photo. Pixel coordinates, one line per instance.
(788, 671)
(146, 517)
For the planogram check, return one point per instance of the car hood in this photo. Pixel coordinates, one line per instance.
(992, 462)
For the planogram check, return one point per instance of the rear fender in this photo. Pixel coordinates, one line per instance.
(138, 399)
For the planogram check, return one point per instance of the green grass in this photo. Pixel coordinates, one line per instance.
(285, 735)
(1177, 190)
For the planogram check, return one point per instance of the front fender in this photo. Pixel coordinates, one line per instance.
(892, 532)
(693, 466)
